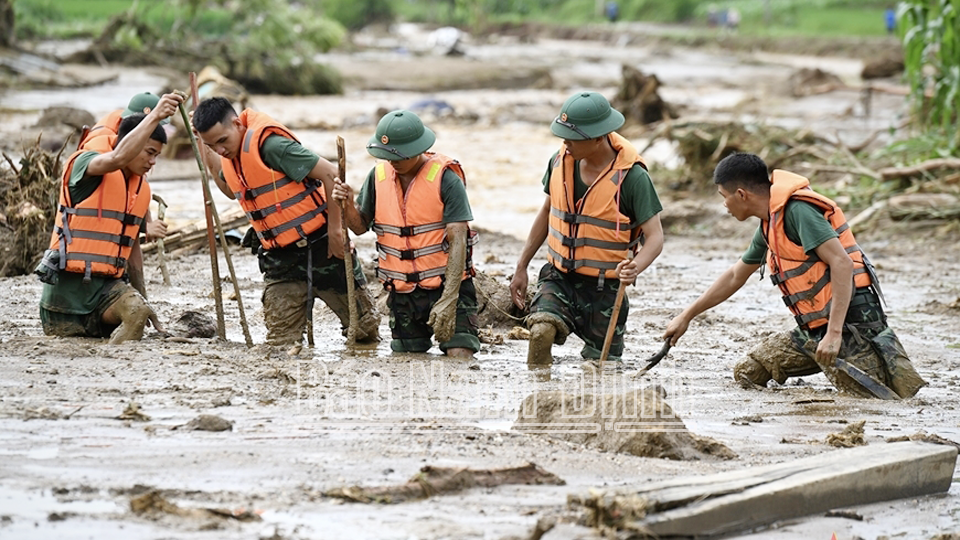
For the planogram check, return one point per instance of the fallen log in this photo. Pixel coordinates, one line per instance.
(436, 480)
(758, 496)
(196, 232)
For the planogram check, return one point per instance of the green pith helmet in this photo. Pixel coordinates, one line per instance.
(140, 102)
(400, 135)
(586, 115)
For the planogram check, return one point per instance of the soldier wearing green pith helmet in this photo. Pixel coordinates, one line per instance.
(601, 221)
(416, 202)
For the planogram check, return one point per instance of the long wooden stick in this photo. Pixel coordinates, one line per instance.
(347, 253)
(161, 250)
(208, 196)
(614, 316)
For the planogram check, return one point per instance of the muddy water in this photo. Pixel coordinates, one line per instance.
(331, 417)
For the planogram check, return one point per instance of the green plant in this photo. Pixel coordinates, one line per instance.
(931, 45)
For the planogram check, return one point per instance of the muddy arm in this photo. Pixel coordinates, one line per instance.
(443, 315)
(728, 283)
(538, 233)
(135, 270)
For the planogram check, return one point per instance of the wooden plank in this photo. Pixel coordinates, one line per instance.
(740, 500)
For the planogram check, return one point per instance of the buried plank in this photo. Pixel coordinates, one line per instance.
(746, 499)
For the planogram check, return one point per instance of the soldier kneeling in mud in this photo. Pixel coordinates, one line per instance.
(283, 188)
(827, 282)
(93, 271)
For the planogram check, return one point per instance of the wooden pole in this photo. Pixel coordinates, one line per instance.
(211, 239)
(347, 253)
(208, 197)
(614, 316)
(161, 251)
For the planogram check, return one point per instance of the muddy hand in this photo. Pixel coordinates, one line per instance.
(153, 320)
(828, 349)
(518, 289)
(443, 318)
(341, 191)
(627, 271)
(676, 328)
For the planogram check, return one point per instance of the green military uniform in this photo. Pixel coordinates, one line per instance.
(867, 342)
(581, 303)
(285, 269)
(409, 311)
(71, 307)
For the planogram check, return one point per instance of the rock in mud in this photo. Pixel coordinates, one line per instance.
(207, 422)
(133, 412)
(193, 324)
(645, 424)
(851, 436)
(495, 309)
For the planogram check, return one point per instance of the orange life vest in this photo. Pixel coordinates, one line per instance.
(95, 235)
(591, 236)
(108, 125)
(281, 210)
(803, 278)
(411, 238)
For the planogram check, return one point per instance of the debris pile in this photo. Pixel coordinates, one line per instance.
(28, 202)
(638, 98)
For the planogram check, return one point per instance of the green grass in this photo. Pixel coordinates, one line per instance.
(818, 21)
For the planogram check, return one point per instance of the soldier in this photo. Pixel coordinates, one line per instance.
(826, 280)
(93, 271)
(109, 125)
(284, 188)
(416, 202)
(600, 206)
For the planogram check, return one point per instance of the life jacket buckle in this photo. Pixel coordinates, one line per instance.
(407, 255)
(406, 231)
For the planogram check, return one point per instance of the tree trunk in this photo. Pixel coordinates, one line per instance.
(6, 23)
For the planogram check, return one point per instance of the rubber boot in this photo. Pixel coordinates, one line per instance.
(133, 312)
(542, 335)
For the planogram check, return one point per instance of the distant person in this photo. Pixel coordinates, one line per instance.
(827, 283)
(733, 19)
(93, 271)
(416, 202)
(601, 222)
(283, 188)
(612, 11)
(890, 18)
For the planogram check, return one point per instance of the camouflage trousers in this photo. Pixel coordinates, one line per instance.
(867, 344)
(576, 303)
(285, 294)
(409, 313)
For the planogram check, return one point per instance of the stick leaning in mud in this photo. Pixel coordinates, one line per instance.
(347, 254)
(161, 250)
(208, 197)
(612, 326)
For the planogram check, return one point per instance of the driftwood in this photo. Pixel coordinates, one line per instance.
(758, 496)
(920, 169)
(436, 480)
(914, 206)
(195, 234)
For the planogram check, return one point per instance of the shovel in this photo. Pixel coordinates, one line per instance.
(655, 359)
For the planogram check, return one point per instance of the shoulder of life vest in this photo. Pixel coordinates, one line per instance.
(411, 240)
(95, 236)
(282, 211)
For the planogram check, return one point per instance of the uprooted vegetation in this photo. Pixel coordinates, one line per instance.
(28, 202)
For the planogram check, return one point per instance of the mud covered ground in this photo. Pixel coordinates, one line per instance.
(331, 417)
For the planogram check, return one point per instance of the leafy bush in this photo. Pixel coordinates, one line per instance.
(355, 14)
